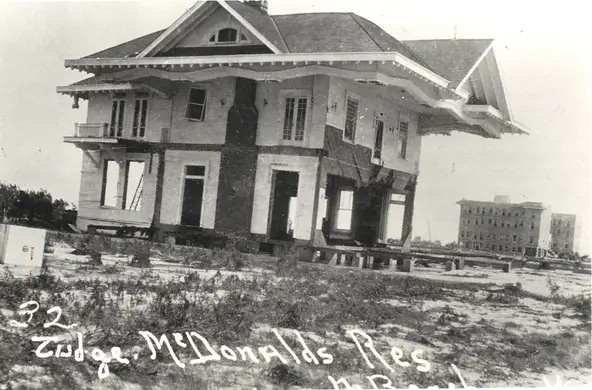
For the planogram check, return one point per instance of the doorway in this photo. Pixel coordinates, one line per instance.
(283, 205)
(193, 188)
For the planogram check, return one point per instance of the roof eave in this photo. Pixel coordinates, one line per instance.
(395, 58)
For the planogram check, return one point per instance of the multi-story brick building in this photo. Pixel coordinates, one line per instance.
(504, 227)
(564, 233)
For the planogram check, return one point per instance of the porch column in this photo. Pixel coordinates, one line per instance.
(156, 231)
(407, 232)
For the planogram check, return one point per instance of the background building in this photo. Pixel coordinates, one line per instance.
(564, 233)
(504, 227)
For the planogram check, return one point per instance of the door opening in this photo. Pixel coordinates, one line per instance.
(284, 205)
(193, 195)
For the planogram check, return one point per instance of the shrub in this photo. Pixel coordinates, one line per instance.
(95, 257)
(233, 315)
(502, 298)
(141, 257)
(282, 374)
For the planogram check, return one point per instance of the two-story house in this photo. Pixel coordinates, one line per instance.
(301, 127)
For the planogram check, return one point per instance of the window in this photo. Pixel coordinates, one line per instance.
(514, 238)
(196, 105)
(532, 226)
(228, 35)
(295, 109)
(530, 239)
(117, 117)
(402, 141)
(379, 129)
(110, 180)
(345, 210)
(493, 236)
(134, 185)
(351, 118)
(140, 112)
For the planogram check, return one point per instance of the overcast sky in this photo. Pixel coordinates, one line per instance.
(543, 50)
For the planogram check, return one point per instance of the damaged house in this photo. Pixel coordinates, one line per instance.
(301, 128)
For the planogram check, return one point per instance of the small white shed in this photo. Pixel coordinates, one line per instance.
(21, 245)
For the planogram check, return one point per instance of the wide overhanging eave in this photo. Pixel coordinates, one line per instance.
(394, 58)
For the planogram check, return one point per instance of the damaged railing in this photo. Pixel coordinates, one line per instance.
(95, 130)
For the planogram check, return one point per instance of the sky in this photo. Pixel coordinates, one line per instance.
(543, 51)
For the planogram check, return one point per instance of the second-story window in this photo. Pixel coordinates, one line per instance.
(117, 118)
(351, 118)
(196, 105)
(140, 113)
(295, 116)
(402, 141)
(379, 128)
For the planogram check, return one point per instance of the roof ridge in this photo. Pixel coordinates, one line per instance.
(313, 13)
(448, 39)
(366, 31)
(279, 33)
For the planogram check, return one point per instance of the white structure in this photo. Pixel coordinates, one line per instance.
(21, 246)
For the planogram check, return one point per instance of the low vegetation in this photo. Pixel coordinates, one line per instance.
(234, 299)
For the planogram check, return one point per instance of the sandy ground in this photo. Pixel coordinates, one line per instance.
(524, 316)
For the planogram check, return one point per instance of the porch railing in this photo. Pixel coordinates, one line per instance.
(94, 130)
(104, 130)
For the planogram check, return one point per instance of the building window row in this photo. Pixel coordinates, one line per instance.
(496, 223)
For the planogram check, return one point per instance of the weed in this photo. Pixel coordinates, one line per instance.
(284, 375)
(552, 286)
(502, 298)
(141, 257)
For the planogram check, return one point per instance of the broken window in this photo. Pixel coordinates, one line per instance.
(295, 109)
(351, 118)
(379, 127)
(345, 210)
(117, 118)
(134, 185)
(140, 112)
(402, 141)
(196, 105)
(110, 180)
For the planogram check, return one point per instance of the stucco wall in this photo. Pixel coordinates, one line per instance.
(212, 130)
(90, 210)
(382, 102)
(175, 162)
(307, 174)
(270, 103)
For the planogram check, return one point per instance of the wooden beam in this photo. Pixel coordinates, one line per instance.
(91, 158)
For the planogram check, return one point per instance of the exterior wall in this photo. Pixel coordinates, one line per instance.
(270, 104)
(307, 182)
(564, 233)
(487, 226)
(212, 130)
(385, 104)
(90, 210)
(175, 162)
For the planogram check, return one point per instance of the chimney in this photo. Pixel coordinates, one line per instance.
(261, 4)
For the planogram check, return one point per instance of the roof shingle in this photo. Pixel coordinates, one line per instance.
(450, 58)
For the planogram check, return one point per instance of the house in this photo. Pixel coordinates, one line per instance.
(505, 227)
(302, 128)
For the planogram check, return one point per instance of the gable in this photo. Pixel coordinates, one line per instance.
(208, 13)
(451, 58)
(197, 41)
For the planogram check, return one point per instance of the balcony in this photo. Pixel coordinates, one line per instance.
(95, 136)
